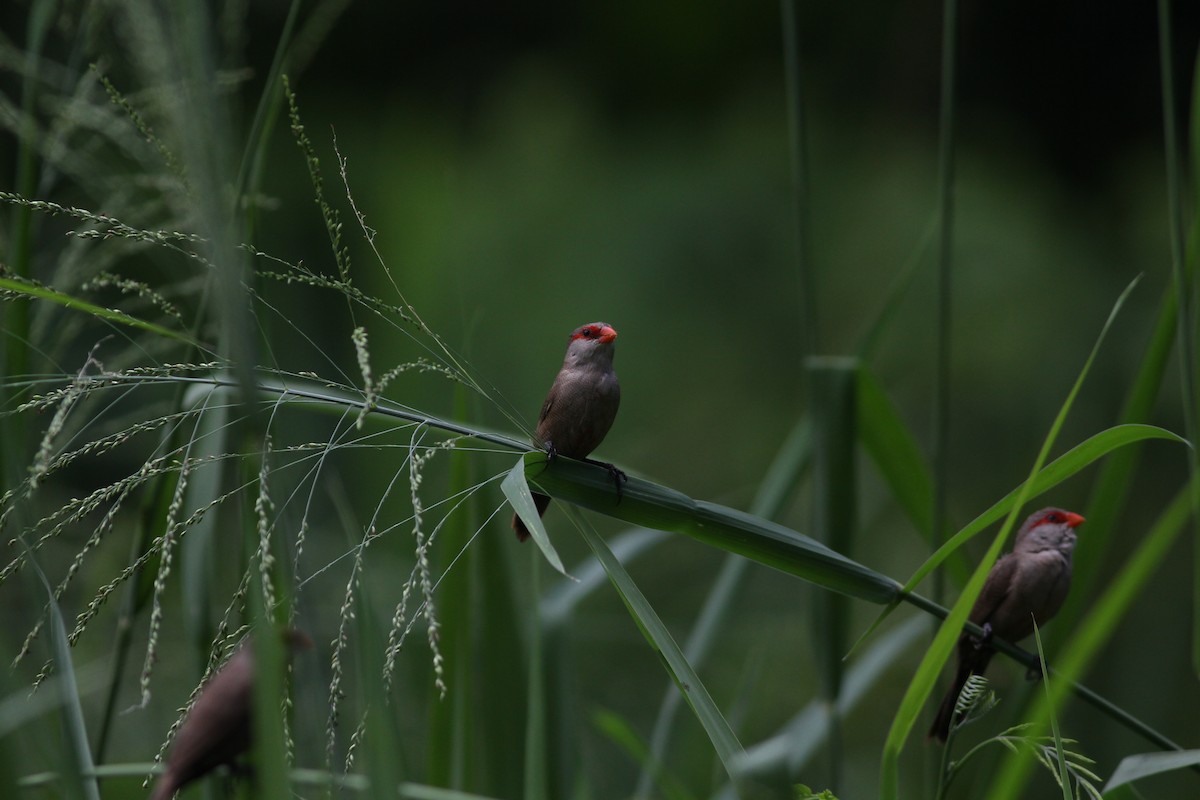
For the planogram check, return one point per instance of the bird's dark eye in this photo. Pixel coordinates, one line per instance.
(1054, 517)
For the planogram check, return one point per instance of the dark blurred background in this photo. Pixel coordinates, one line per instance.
(530, 168)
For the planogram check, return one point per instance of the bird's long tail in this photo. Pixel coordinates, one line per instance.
(541, 501)
(972, 660)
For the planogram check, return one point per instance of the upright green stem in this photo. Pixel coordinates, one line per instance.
(833, 383)
(941, 398)
(799, 153)
(1184, 285)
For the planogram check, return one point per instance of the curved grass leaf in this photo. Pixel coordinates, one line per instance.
(516, 489)
(1054, 473)
(723, 739)
(1070, 463)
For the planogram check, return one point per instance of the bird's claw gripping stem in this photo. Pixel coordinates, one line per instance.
(985, 640)
(614, 472)
(617, 475)
(618, 478)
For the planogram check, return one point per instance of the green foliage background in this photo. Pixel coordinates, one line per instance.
(520, 173)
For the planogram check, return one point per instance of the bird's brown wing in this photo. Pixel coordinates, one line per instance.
(549, 404)
(551, 399)
(995, 589)
(217, 728)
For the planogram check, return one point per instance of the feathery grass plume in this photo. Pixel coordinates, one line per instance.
(359, 337)
(120, 101)
(139, 289)
(166, 553)
(329, 214)
(263, 512)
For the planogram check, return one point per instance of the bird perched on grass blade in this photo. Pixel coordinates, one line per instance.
(581, 405)
(1028, 584)
(218, 728)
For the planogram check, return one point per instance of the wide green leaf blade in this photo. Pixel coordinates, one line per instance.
(654, 506)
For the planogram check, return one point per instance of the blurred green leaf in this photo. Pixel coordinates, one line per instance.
(621, 733)
(1143, 765)
(106, 314)
(79, 766)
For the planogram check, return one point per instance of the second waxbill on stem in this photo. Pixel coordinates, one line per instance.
(1027, 585)
(581, 405)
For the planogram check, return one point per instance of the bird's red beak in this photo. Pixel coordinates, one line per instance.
(608, 333)
(1074, 519)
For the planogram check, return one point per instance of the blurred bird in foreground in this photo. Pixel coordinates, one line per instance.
(219, 726)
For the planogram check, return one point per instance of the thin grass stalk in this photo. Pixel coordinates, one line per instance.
(266, 113)
(945, 262)
(798, 142)
(778, 761)
(537, 785)
(1064, 776)
(832, 383)
(1185, 288)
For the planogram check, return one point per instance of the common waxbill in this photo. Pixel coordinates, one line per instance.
(218, 726)
(581, 405)
(1028, 584)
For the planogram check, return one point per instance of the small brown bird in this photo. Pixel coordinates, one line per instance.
(218, 726)
(1028, 584)
(581, 405)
